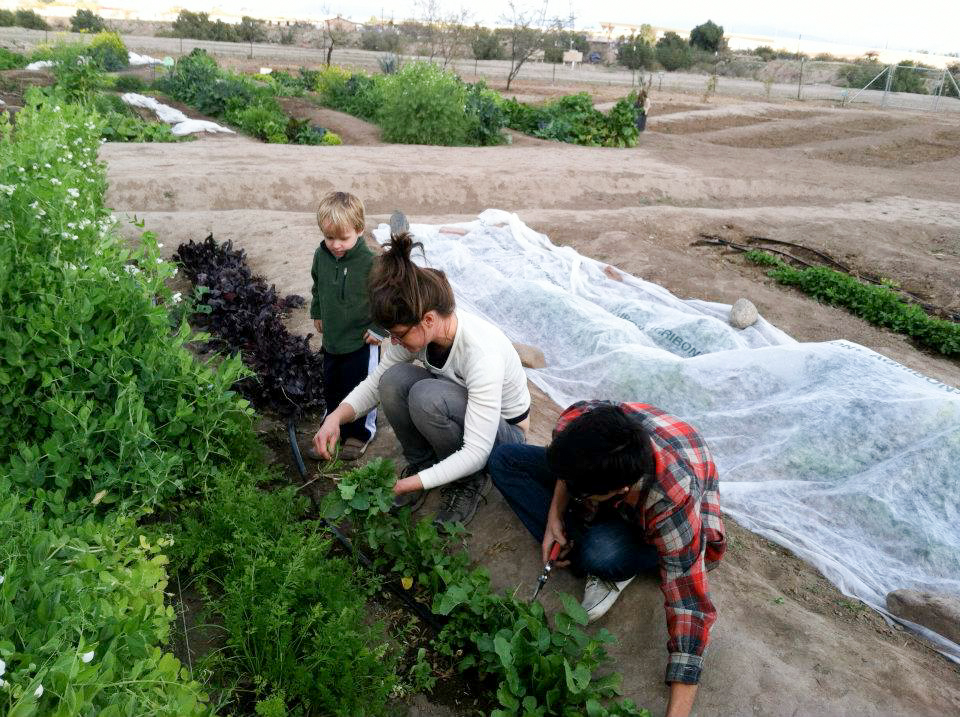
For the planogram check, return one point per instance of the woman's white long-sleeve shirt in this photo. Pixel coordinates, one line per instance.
(482, 360)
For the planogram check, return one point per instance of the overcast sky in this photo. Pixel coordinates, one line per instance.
(932, 25)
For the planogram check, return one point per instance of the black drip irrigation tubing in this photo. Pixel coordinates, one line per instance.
(419, 609)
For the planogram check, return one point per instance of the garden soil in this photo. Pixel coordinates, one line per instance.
(845, 182)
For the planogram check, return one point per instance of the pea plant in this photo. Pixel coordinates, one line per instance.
(539, 669)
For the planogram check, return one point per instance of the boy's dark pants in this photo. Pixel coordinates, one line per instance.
(608, 546)
(341, 374)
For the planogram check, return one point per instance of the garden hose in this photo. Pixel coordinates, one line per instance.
(417, 608)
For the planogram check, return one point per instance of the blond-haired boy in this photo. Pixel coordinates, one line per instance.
(341, 312)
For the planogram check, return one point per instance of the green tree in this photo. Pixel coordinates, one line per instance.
(673, 52)
(193, 25)
(558, 41)
(87, 21)
(708, 37)
(30, 20)
(251, 30)
(635, 52)
(485, 44)
(7, 18)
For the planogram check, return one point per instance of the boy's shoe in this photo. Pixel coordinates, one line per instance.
(414, 499)
(461, 499)
(398, 222)
(599, 596)
(352, 449)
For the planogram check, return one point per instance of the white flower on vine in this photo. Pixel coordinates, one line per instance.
(54, 181)
(8, 189)
(3, 667)
(176, 298)
(73, 192)
(87, 656)
(39, 691)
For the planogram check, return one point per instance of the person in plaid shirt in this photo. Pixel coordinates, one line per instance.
(627, 489)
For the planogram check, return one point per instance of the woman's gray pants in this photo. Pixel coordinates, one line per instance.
(427, 414)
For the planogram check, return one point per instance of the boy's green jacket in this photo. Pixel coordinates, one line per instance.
(340, 297)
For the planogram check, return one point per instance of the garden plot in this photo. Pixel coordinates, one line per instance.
(841, 455)
(726, 117)
(806, 133)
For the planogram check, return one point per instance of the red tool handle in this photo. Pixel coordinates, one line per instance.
(555, 551)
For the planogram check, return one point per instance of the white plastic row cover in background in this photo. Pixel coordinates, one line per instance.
(181, 124)
(829, 449)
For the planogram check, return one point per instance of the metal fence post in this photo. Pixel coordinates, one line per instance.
(886, 88)
(939, 94)
(800, 82)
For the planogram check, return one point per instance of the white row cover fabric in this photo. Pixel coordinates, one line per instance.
(135, 60)
(831, 450)
(182, 125)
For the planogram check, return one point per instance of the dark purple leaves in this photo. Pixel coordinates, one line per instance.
(246, 315)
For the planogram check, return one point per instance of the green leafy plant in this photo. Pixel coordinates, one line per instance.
(30, 20)
(129, 83)
(880, 305)
(538, 669)
(297, 625)
(109, 52)
(574, 119)
(11, 60)
(673, 52)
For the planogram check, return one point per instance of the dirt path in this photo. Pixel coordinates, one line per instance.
(786, 641)
(352, 130)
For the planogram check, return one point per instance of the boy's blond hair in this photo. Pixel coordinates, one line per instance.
(341, 209)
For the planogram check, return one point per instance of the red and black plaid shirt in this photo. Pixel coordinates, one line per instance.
(680, 515)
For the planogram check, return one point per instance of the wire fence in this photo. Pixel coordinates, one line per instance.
(900, 87)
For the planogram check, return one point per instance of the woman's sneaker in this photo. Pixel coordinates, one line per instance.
(599, 596)
(461, 498)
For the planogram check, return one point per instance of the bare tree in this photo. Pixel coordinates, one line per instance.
(454, 34)
(525, 35)
(334, 35)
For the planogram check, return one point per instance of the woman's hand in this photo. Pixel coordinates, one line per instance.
(371, 338)
(325, 440)
(407, 485)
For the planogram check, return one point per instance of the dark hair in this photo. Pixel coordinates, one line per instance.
(600, 451)
(402, 292)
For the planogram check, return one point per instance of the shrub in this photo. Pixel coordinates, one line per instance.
(129, 83)
(864, 74)
(635, 53)
(76, 75)
(11, 60)
(422, 104)
(7, 18)
(87, 21)
(30, 20)
(673, 52)
(485, 44)
(708, 37)
(389, 64)
(263, 120)
(360, 95)
(485, 116)
(197, 81)
(109, 52)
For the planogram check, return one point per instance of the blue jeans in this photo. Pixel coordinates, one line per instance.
(608, 546)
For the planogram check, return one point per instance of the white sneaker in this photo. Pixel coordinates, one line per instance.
(599, 596)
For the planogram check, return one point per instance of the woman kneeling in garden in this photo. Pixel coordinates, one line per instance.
(469, 395)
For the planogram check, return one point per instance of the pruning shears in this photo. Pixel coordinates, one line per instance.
(542, 580)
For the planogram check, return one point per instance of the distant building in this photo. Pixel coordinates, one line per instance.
(343, 25)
